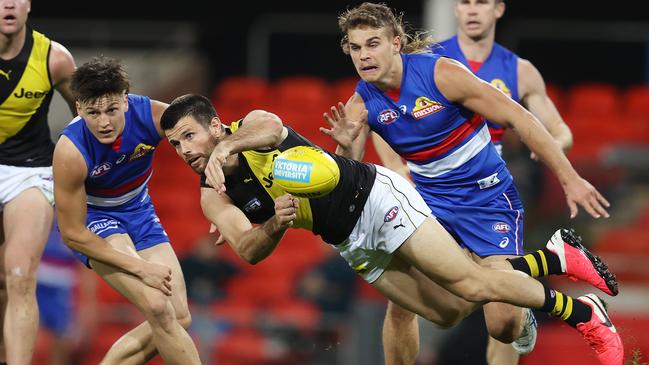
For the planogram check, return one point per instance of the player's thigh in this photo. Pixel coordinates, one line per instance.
(27, 220)
(433, 251)
(130, 286)
(164, 254)
(409, 288)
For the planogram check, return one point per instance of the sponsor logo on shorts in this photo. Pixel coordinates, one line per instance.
(424, 106)
(504, 242)
(252, 205)
(501, 227)
(101, 169)
(388, 116)
(292, 170)
(391, 214)
(102, 225)
(403, 109)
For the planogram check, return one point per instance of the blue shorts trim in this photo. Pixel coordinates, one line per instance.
(140, 222)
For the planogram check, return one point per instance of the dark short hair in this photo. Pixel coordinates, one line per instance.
(194, 105)
(98, 77)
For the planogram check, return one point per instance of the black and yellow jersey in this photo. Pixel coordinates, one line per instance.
(25, 95)
(332, 216)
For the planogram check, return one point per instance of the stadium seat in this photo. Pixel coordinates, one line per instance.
(302, 93)
(294, 313)
(240, 347)
(636, 100)
(235, 96)
(344, 88)
(556, 95)
(593, 99)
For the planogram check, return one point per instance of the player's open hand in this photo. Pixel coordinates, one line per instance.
(581, 192)
(156, 276)
(343, 129)
(286, 210)
(214, 169)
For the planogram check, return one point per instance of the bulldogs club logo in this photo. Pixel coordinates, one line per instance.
(500, 85)
(140, 151)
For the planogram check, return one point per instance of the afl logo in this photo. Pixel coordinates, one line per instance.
(501, 227)
(388, 116)
(101, 169)
(391, 214)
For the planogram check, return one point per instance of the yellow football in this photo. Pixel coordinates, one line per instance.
(306, 172)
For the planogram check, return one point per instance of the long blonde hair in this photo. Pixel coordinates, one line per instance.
(381, 16)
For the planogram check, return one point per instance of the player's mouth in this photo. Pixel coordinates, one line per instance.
(9, 19)
(473, 24)
(369, 69)
(194, 161)
(106, 133)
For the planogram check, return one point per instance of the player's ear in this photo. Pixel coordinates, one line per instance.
(396, 45)
(216, 127)
(500, 8)
(125, 101)
(77, 106)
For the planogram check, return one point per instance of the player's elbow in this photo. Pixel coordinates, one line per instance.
(272, 124)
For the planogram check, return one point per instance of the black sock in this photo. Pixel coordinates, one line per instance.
(540, 263)
(572, 311)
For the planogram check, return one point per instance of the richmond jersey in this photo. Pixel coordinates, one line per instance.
(332, 216)
(25, 95)
(447, 147)
(118, 173)
(500, 69)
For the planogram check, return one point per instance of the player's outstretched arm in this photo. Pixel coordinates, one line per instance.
(70, 196)
(534, 97)
(252, 244)
(461, 86)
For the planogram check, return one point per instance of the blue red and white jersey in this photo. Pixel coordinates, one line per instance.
(447, 147)
(500, 69)
(118, 173)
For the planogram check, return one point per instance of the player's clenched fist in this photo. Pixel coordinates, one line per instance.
(286, 210)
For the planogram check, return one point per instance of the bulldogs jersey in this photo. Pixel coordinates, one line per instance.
(118, 173)
(447, 147)
(500, 69)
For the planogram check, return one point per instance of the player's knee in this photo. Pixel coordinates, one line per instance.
(158, 310)
(184, 318)
(503, 328)
(19, 279)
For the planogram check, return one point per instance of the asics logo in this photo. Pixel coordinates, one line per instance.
(5, 74)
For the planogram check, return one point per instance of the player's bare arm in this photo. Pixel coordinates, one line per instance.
(389, 158)
(61, 65)
(348, 127)
(460, 85)
(70, 195)
(259, 130)
(535, 98)
(251, 243)
(157, 108)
